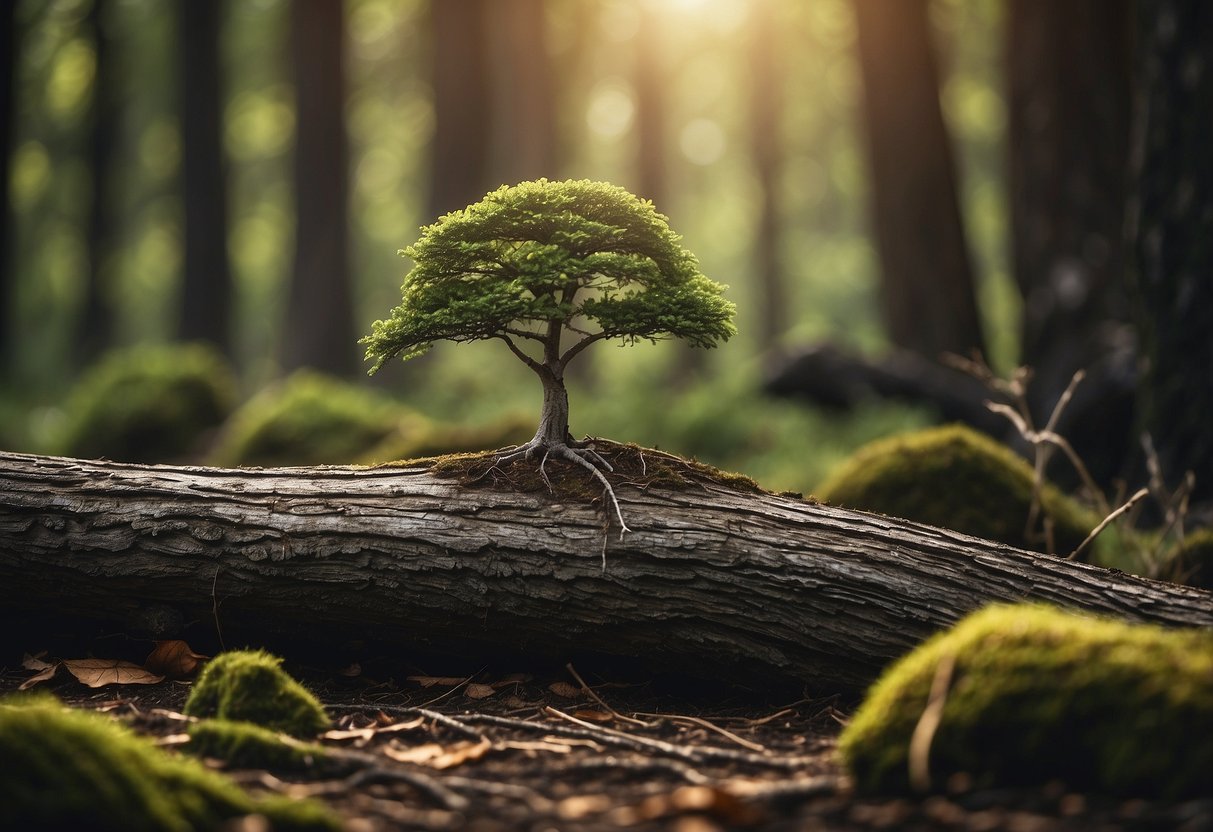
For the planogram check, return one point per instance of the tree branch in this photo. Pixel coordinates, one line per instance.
(579, 346)
(526, 359)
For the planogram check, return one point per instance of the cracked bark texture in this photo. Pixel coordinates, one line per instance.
(712, 581)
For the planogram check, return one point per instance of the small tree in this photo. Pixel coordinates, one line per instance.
(549, 268)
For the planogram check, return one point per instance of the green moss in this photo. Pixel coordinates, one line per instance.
(1038, 694)
(440, 440)
(245, 745)
(66, 769)
(251, 686)
(1192, 563)
(147, 404)
(954, 478)
(311, 419)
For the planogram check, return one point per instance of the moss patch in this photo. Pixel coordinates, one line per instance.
(955, 478)
(439, 440)
(148, 404)
(245, 745)
(312, 419)
(66, 769)
(251, 686)
(1038, 694)
(632, 464)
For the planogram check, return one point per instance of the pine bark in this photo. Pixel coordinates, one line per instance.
(711, 581)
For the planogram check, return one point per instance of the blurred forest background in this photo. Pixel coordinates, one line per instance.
(895, 177)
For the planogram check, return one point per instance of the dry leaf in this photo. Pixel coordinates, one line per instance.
(541, 745)
(173, 659)
(362, 735)
(430, 681)
(565, 689)
(478, 691)
(592, 716)
(35, 662)
(351, 670)
(439, 757)
(100, 672)
(46, 673)
(581, 805)
(402, 726)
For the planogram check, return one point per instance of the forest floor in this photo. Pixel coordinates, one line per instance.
(555, 751)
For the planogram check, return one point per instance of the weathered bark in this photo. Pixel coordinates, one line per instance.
(710, 580)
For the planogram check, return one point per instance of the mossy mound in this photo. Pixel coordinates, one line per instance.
(312, 419)
(148, 404)
(251, 686)
(1037, 694)
(1192, 563)
(439, 440)
(66, 769)
(955, 478)
(245, 745)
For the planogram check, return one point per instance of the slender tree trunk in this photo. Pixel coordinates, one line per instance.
(927, 292)
(711, 581)
(463, 126)
(1172, 230)
(9, 52)
(554, 417)
(766, 141)
(206, 297)
(319, 328)
(95, 331)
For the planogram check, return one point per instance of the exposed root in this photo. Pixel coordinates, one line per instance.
(579, 453)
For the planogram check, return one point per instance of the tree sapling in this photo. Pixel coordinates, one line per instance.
(549, 268)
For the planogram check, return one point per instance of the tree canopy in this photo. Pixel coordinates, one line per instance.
(588, 256)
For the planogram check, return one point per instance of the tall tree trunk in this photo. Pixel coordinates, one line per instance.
(711, 581)
(524, 94)
(206, 297)
(9, 51)
(1069, 68)
(319, 329)
(767, 147)
(1172, 230)
(927, 292)
(95, 330)
(463, 129)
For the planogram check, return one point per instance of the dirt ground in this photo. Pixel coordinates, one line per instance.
(558, 750)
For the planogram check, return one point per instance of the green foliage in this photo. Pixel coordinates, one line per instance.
(541, 252)
(1037, 694)
(251, 686)
(245, 745)
(311, 419)
(955, 478)
(66, 769)
(148, 403)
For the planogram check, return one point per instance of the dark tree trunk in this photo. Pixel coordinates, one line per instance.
(766, 140)
(1172, 228)
(95, 330)
(319, 329)
(1069, 67)
(554, 417)
(463, 128)
(525, 111)
(711, 581)
(927, 291)
(9, 51)
(206, 297)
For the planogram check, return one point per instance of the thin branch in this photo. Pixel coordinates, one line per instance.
(590, 693)
(928, 723)
(579, 346)
(1141, 494)
(526, 359)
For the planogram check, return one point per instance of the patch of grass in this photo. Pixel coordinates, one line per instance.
(66, 769)
(955, 478)
(1038, 694)
(251, 686)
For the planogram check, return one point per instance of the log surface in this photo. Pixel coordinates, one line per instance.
(710, 579)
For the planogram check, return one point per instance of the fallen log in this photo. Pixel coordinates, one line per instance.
(713, 578)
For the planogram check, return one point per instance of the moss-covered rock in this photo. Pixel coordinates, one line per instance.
(312, 419)
(251, 686)
(245, 745)
(1192, 563)
(66, 769)
(147, 404)
(1037, 694)
(955, 478)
